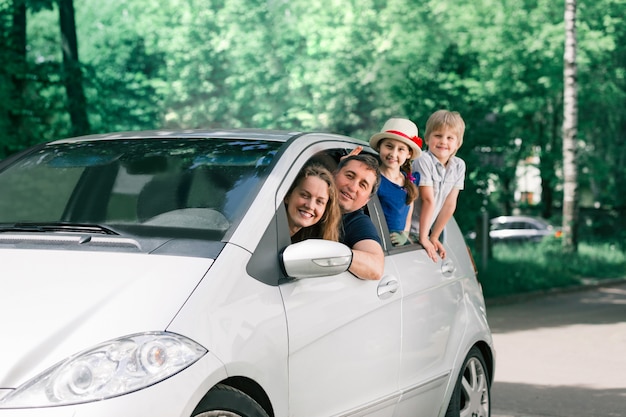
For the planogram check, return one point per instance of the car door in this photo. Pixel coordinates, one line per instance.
(344, 346)
(431, 305)
(344, 341)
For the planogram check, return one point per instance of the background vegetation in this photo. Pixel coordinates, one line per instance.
(523, 268)
(336, 65)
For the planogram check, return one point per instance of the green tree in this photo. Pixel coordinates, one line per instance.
(601, 138)
(125, 61)
(343, 66)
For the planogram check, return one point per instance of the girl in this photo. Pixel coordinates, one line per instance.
(398, 145)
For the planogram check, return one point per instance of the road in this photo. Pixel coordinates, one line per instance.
(561, 355)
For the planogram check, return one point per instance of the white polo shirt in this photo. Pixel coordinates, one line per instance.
(442, 178)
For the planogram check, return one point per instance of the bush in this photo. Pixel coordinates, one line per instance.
(522, 268)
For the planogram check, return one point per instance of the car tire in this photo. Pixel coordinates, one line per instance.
(472, 392)
(226, 401)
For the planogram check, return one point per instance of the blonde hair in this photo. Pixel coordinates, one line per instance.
(328, 226)
(445, 118)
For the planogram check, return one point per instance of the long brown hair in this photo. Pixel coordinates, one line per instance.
(328, 226)
(409, 186)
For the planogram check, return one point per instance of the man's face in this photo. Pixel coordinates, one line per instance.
(354, 182)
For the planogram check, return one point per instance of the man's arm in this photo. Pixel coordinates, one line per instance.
(368, 260)
(447, 210)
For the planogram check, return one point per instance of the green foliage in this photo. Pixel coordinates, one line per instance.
(344, 66)
(523, 268)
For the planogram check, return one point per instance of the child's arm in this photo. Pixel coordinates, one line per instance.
(427, 195)
(447, 210)
(409, 216)
(402, 238)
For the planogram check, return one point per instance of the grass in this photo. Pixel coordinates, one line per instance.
(521, 268)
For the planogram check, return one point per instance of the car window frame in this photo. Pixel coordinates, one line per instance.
(264, 264)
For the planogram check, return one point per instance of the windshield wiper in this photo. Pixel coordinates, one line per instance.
(57, 227)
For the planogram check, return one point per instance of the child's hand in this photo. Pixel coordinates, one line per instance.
(431, 251)
(399, 238)
(439, 247)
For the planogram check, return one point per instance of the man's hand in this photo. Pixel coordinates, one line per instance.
(354, 151)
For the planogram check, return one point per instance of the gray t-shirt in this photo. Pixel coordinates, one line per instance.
(442, 178)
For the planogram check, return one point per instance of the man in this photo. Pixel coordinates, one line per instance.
(357, 178)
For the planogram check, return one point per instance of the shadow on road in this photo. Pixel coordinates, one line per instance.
(550, 401)
(605, 306)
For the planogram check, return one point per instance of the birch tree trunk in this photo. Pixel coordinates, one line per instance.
(570, 127)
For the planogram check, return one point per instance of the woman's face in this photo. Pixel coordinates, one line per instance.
(306, 203)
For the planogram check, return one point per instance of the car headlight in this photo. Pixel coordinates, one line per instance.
(108, 370)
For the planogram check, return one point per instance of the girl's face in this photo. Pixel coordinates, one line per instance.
(306, 203)
(443, 143)
(393, 153)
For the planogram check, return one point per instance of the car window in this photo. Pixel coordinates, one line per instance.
(507, 226)
(193, 183)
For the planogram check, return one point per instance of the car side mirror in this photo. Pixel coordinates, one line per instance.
(315, 258)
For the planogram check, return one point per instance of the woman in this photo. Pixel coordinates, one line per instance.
(311, 203)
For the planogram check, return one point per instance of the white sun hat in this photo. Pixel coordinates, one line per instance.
(400, 129)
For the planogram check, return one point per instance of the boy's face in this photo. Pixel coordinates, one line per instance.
(443, 143)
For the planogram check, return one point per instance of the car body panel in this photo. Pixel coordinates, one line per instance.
(430, 311)
(242, 322)
(342, 320)
(58, 303)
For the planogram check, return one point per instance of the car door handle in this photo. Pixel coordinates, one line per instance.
(387, 287)
(448, 268)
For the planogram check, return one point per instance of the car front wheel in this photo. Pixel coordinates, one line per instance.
(471, 396)
(225, 401)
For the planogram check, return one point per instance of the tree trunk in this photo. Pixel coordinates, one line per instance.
(570, 126)
(17, 70)
(72, 75)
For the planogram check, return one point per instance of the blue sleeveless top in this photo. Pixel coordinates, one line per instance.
(393, 201)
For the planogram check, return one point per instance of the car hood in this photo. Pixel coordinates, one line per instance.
(54, 304)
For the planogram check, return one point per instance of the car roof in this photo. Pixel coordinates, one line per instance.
(260, 134)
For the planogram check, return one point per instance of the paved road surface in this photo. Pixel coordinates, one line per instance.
(562, 355)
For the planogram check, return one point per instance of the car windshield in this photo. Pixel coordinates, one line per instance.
(202, 184)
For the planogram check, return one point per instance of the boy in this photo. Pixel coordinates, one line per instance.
(442, 176)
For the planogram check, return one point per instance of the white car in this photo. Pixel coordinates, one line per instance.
(521, 229)
(151, 274)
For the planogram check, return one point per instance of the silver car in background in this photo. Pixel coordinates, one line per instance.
(521, 229)
(152, 274)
